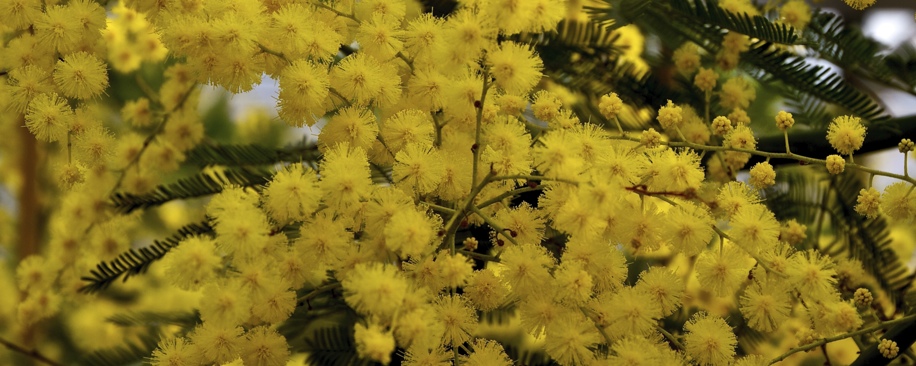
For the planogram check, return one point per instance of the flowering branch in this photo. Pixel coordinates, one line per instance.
(34, 354)
(823, 341)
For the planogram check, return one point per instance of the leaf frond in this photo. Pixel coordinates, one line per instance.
(204, 183)
(137, 261)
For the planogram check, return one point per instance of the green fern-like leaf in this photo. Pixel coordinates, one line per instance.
(709, 12)
(201, 184)
(815, 80)
(242, 155)
(829, 204)
(137, 261)
(150, 318)
(333, 346)
(828, 37)
(613, 14)
(131, 353)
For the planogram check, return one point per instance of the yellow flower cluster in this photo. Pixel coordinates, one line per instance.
(427, 125)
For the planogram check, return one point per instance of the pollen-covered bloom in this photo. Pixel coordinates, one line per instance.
(688, 226)
(676, 171)
(192, 263)
(173, 352)
(846, 134)
(859, 4)
(670, 115)
(766, 305)
(722, 273)
(48, 117)
(419, 168)
(762, 175)
(217, 343)
(737, 93)
(754, 228)
(411, 232)
(835, 164)
(813, 275)
(292, 194)
(709, 340)
(664, 287)
(264, 347)
(868, 202)
(570, 338)
(459, 319)
(898, 201)
(375, 288)
(374, 343)
(303, 90)
(610, 105)
(515, 66)
(486, 353)
(706, 79)
(80, 75)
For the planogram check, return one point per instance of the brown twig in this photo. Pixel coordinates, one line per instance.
(34, 354)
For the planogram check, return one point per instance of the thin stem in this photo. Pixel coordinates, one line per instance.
(479, 256)
(149, 139)
(318, 291)
(906, 172)
(277, 54)
(498, 229)
(785, 135)
(335, 11)
(442, 209)
(671, 337)
(512, 193)
(532, 177)
(590, 316)
(789, 156)
(619, 127)
(821, 341)
(760, 262)
(33, 354)
(477, 130)
(146, 89)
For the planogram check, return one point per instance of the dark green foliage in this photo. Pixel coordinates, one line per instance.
(241, 155)
(828, 203)
(155, 319)
(815, 80)
(617, 13)
(829, 38)
(332, 346)
(137, 261)
(201, 184)
(132, 353)
(708, 11)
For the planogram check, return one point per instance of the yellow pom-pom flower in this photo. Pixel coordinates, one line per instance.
(264, 347)
(80, 75)
(860, 4)
(48, 117)
(722, 273)
(373, 343)
(419, 168)
(709, 340)
(670, 115)
(846, 134)
(303, 90)
(762, 175)
(215, 343)
(516, 68)
(898, 202)
(375, 289)
(292, 194)
(192, 263)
